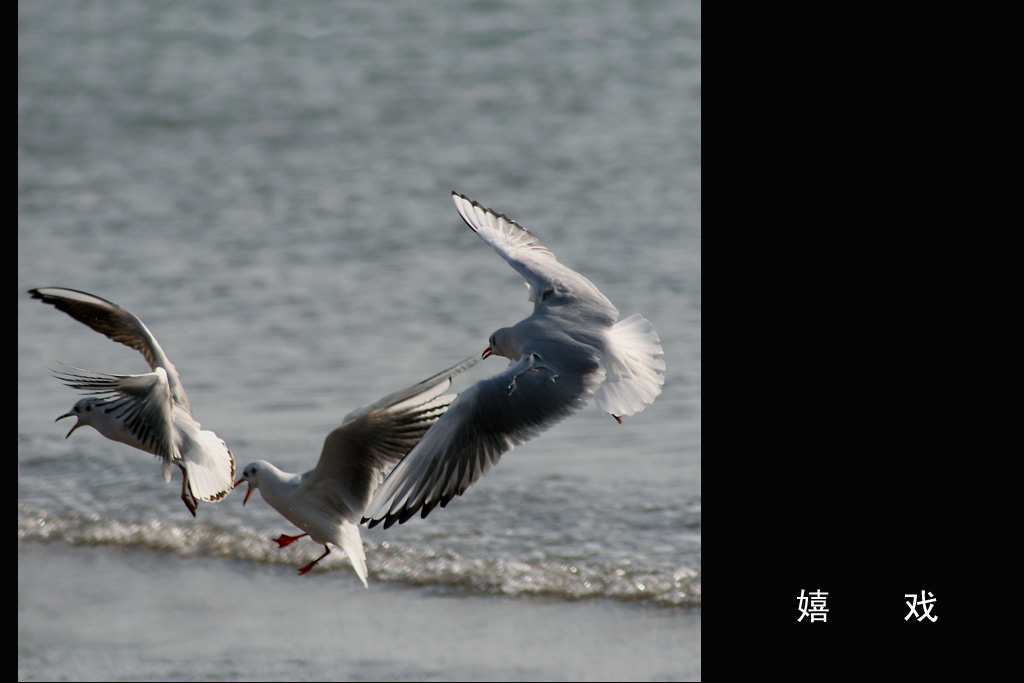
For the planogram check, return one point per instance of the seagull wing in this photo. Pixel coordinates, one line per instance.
(373, 438)
(549, 281)
(485, 421)
(142, 404)
(118, 324)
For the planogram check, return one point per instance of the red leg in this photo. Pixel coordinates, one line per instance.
(314, 562)
(186, 495)
(284, 539)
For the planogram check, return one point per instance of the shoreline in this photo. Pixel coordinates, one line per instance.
(102, 613)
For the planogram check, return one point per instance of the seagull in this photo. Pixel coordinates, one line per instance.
(326, 502)
(573, 347)
(149, 411)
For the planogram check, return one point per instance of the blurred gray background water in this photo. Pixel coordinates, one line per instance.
(267, 185)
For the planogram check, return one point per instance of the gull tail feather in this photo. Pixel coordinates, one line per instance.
(211, 468)
(352, 544)
(634, 367)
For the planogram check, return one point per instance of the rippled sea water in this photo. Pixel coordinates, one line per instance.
(267, 185)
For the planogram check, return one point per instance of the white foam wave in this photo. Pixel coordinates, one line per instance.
(388, 562)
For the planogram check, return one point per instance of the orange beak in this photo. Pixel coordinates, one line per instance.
(247, 493)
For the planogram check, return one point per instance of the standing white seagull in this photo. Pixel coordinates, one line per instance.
(570, 349)
(150, 411)
(326, 502)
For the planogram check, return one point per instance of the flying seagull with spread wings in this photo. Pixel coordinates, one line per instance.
(572, 348)
(149, 411)
(326, 502)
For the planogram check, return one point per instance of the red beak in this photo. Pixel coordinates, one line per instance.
(487, 352)
(247, 493)
(77, 424)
